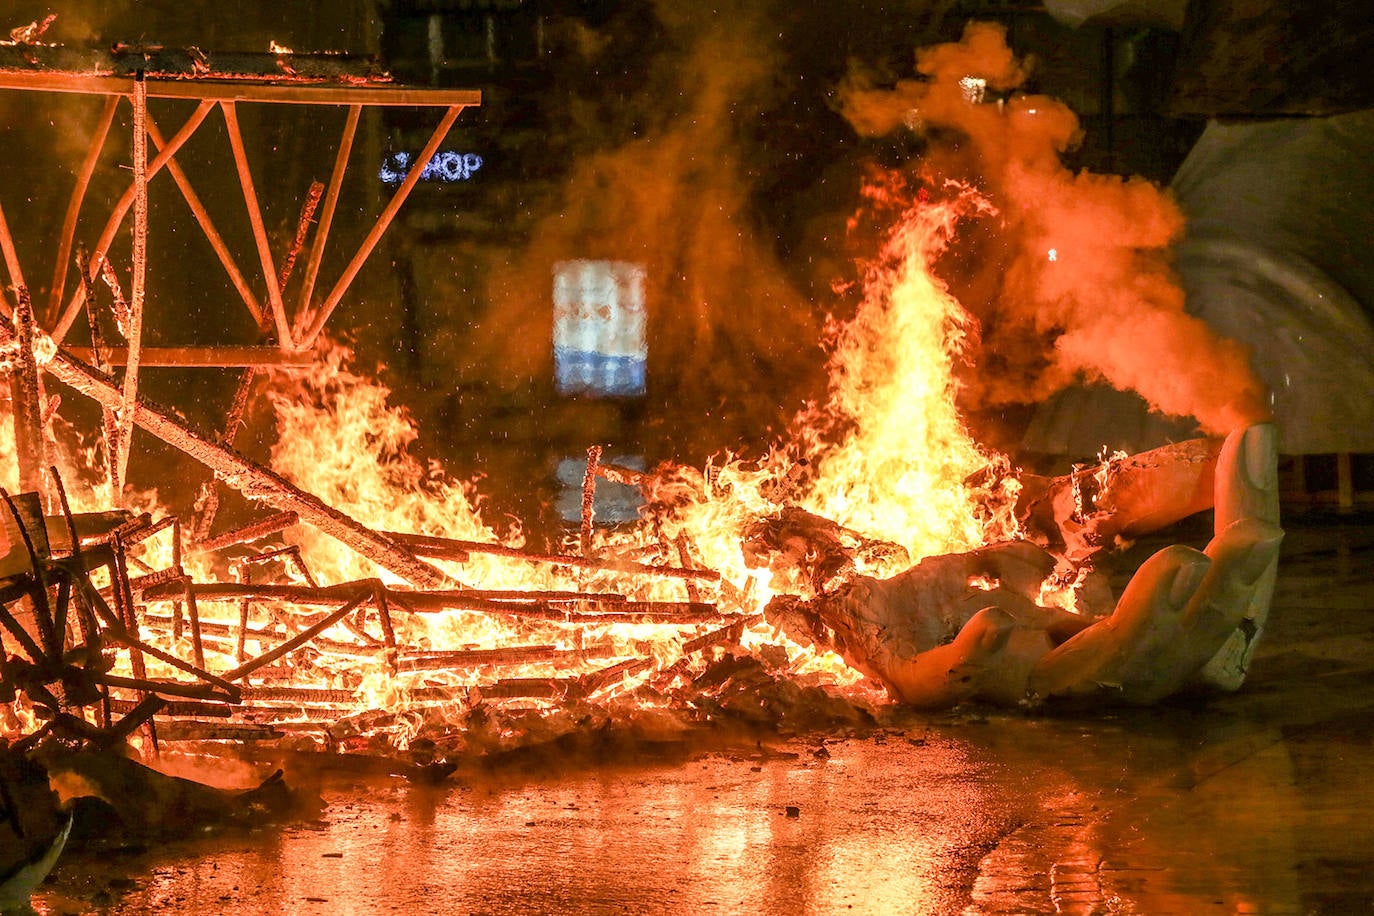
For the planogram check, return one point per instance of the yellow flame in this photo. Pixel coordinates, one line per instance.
(902, 473)
(888, 456)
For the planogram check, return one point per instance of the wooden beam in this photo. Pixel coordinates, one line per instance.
(64, 323)
(207, 226)
(560, 610)
(26, 398)
(12, 266)
(133, 334)
(250, 199)
(331, 201)
(232, 91)
(83, 181)
(317, 319)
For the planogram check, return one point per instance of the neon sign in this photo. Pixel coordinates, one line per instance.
(446, 165)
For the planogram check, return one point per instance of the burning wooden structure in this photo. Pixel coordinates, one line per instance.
(80, 585)
(68, 630)
(106, 621)
(951, 628)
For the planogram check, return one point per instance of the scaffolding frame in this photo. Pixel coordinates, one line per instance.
(289, 330)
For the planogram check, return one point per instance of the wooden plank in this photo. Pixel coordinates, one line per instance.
(317, 319)
(232, 91)
(250, 199)
(133, 334)
(200, 357)
(83, 180)
(331, 202)
(207, 225)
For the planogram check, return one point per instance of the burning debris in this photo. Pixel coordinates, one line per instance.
(310, 661)
(373, 611)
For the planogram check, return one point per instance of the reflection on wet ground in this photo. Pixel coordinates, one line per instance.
(1257, 802)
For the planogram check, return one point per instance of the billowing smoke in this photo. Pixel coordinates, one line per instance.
(730, 341)
(1071, 278)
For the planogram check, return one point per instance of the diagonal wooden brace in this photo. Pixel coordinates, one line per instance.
(251, 479)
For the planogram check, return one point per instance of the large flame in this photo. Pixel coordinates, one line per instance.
(887, 456)
(902, 472)
(340, 439)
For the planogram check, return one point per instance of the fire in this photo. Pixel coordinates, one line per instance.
(902, 472)
(339, 439)
(1080, 254)
(887, 458)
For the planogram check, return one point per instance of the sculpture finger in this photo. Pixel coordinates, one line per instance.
(1243, 561)
(953, 672)
(1246, 488)
(1163, 641)
(1247, 475)
(1121, 654)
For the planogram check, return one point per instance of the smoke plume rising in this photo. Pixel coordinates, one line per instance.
(730, 340)
(1071, 279)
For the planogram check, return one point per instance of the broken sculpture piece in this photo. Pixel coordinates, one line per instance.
(969, 626)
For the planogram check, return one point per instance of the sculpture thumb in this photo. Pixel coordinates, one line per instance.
(953, 672)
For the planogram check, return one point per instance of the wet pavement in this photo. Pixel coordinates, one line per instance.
(1258, 802)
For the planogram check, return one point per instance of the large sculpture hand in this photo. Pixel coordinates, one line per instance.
(967, 625)
(1187, 616)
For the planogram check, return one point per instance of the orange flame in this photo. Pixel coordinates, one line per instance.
(902, 472)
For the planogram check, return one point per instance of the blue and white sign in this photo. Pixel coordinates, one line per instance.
(599, 339)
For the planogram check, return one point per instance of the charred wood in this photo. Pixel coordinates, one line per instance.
(250, 532)
(190, 730)
(472, 658)
(296, 641)
(456, 550)
(589, 498)
(167, 688)
(312, 200)
(509, 688)
(189, 709)
(26, 393)
(308, 696)
(458, 600)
